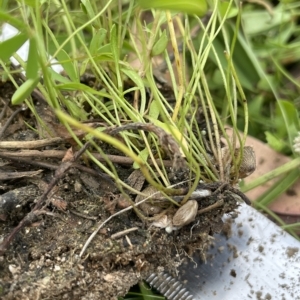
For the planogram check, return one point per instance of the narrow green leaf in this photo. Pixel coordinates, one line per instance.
(104, 54)
(103, 57)
(76, 111)
(83, 8)
(97, 40)
(5, 17)
(9, 47)
(146, 290)
(114, 42)
(287, 167)
(24, 91)
(278, 188)
(192, 7)
(89, 10)
(57, 77)
(65, 60)
(72, 86)
(115, 49)
(32, 61)
(160, 46)
(139, 82)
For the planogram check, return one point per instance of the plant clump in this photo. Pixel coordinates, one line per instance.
(118, 168)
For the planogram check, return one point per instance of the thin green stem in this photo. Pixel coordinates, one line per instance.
(295, 163)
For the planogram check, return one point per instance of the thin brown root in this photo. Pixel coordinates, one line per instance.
(30, 144)
(124, 232)
(82, 215)
(116, 159)
(2, 131)
(211, 207)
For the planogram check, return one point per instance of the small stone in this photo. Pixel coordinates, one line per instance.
(56, 268)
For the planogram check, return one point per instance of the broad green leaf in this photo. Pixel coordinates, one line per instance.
(223, 7)
(257, 22)
(30, 3)
(160, 46)
(287, 119)
(285, 36)
(9, 47)
(192, 7)
(154, 110)
(32, 61)
(143, 155)
(24, 91)
(274, 142)
(105, 49)
(4, 4)
(104, 54)
(114, 42)
(255, 106)
(245, 62)
(289, 110)
(65, 60)
(265, 84)
(76, 111)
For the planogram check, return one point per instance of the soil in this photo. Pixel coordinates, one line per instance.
(42, 260)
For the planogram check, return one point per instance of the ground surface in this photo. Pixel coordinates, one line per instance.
(42, 260)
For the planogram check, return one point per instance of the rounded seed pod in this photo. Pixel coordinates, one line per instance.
(162, 222)
(153, 205)
(185, 214)
(248, 163)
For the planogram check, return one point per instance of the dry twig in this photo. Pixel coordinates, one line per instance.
(116, 159)
(10, 119)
